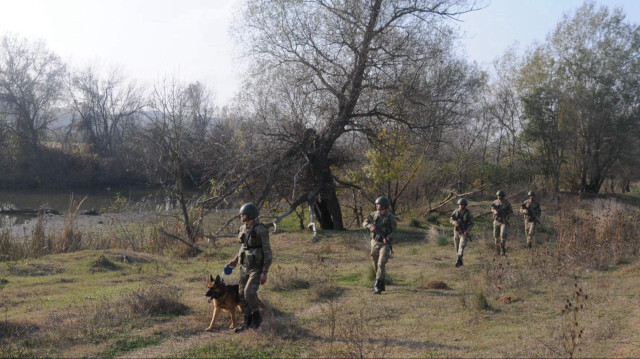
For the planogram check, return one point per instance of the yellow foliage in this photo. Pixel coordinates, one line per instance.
(393, 159)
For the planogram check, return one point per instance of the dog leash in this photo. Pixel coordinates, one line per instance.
(227, 271)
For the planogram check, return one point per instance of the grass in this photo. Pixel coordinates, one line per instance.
(239, 349)
(318, 301)
(127, 344)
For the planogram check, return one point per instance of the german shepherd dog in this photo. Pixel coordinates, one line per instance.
(224, 297)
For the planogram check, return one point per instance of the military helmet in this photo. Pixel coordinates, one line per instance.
(531, 193)
(463, 201)
(250, 210)
(383, 201)
(500, 193)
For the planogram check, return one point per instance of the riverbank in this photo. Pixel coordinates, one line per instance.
(86, 224)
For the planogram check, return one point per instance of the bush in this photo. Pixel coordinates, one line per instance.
(415, 223)
(480, 300)
(103, 264)
(282, 279)
(326, 290)
(157, 300)
(602, 235)
(437, 236)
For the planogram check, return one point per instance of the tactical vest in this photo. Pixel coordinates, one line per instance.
(463, 217)
(385, 222)
(252, 256)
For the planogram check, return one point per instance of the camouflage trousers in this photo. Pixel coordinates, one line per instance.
(460, 241)
(500, 232)
(249, 284)
(379, 257)
(529, 230)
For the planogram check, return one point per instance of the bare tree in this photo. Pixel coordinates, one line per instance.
(104, 104)
(194, 157)
(346, 65)
(31, 78)
(505, 107)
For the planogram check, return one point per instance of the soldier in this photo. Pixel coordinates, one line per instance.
(255, 259)
(382, 224)
(531, 211)
(462, 220)
(502, 210)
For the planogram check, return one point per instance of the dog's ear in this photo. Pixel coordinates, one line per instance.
(218, 278)
(211, 278)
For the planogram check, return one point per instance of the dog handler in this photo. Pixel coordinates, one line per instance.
(255, 259)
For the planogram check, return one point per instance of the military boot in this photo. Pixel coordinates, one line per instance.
(459, 261)
(377, 287)
(248, 320)
(257, 320)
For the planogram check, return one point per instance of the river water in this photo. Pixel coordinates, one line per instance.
(98, 200)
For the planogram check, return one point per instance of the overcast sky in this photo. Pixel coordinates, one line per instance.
(190, 38)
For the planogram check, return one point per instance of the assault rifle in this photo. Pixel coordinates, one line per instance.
(501, 215)
(530, 214)
(380, 236)
(462, 229)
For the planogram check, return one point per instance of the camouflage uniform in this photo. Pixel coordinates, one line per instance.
(379, 250)
(255, 258)
(465, 219)
(530, 223)
(500, 230)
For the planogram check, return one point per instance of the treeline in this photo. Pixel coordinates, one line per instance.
(343, 102)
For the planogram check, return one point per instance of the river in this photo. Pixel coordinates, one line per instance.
(97, 200)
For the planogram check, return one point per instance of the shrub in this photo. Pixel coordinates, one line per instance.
(480, 300)
(415, 223)
(156, 300)
(103, 264)
(282, 279)
(326, 290)
(437, 236)
(602, 235)
(355, 333)
(572, 315)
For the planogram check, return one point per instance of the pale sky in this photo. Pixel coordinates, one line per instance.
(189, 39)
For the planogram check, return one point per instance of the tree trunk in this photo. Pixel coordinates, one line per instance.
(327, 205)
(592, 187)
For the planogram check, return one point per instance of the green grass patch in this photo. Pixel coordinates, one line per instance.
(127, 344)
(236, 349)
(442, 240)
(349, 278)
(290, 223)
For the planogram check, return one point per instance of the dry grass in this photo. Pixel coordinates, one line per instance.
(604, 234)
(319, 304)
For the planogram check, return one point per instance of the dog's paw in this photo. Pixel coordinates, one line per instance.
(208, 329)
